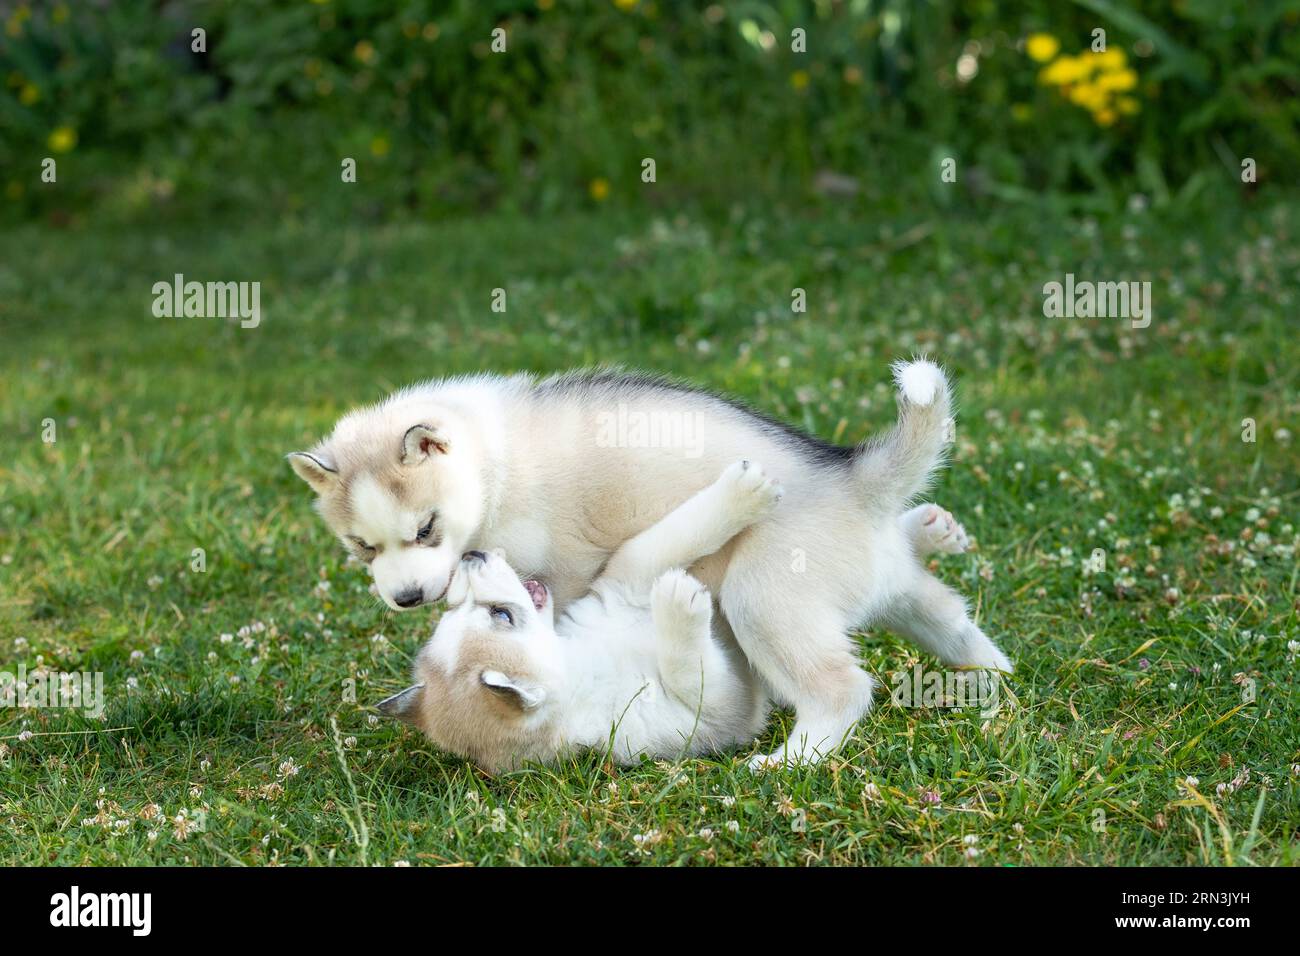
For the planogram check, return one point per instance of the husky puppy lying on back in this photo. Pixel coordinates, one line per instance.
(525, 466)
(503, 680)
(633, 666)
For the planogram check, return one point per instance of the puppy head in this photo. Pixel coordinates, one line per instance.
(402, 488)
(489, 683)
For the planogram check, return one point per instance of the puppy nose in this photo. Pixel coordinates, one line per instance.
(473, 556)
(409, 598)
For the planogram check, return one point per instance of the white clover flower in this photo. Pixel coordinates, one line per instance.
(646, 840)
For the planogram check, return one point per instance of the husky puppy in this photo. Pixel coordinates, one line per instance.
(633, 665)
(529, 467)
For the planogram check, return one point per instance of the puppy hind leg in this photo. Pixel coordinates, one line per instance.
(698, 527)
(931, 529)
(805, 656)
(934, 616)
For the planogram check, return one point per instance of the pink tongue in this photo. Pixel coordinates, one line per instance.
(537, 591)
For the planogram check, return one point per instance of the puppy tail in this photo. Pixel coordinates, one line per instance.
(893, 468)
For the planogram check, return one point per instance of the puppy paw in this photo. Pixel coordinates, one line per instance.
(974, 649)
(779, 760)
(933, 529)
(763, 762)
(989, 656)
(680, 603)
(749, 493)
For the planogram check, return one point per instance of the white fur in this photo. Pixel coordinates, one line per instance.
(920, 381)
(529, 470)
(634, 665)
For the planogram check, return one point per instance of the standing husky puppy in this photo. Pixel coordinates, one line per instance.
(503, 680)
(529, 467)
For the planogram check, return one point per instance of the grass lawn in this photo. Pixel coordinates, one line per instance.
(228, 689)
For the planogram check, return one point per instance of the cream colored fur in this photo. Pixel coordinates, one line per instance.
(528, 468)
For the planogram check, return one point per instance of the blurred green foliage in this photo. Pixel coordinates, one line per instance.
(142, 124)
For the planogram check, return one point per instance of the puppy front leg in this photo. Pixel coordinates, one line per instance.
(698, 527)
(691, 664)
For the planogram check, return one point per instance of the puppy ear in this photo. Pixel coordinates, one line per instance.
(419, 443)
(404, 706)
(525, 698)
(317, 470)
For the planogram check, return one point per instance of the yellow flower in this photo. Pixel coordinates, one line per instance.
(1128, 106)
(599, 189)
(1120, 82)
(1112, 58)
(364, 51)
(1068, 69)
(29, 95)
(1104, 117)
(62, 139)
(799, 79)
(545, 4)
(379, 146)
(626, 4)
(1041, 47)
(1089, 96)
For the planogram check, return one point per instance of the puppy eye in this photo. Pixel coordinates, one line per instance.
(367, 551)
(502, 615)
(426, 532)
